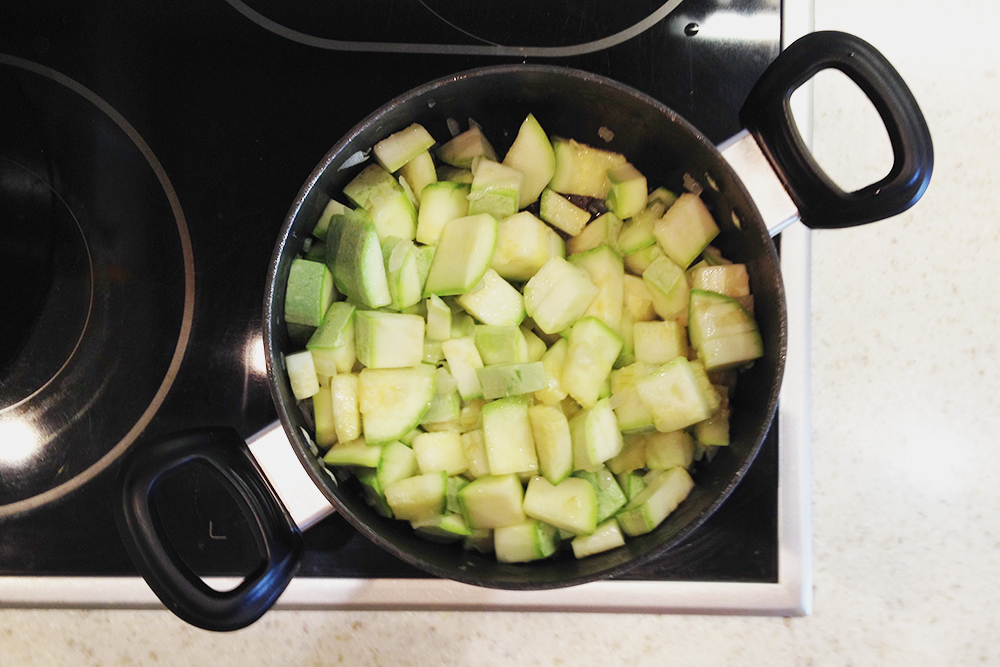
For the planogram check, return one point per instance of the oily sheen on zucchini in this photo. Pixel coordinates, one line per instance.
(527, 356)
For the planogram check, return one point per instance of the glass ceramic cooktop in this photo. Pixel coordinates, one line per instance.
(148, 157)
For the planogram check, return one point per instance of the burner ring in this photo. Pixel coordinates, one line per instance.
(64, 318)
(21, 438)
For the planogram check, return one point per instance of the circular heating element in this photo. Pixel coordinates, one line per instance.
(536, 28)
(45, 255)
(98, 285)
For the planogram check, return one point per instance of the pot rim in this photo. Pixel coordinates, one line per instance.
(288, 241)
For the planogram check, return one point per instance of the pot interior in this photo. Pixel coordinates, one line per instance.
(668, 151)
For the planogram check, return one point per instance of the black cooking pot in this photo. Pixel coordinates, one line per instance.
(668, 151)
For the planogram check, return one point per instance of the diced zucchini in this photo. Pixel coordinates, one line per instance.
(561, 213)
(610, 497)
(455, 484)
(378, 192)
(596, 437)
(501, 344)
(637, 232)
(398, 462)
(479, 539)
(570, 505)
(582, 169)
(532, 155)
(626, 376)
(355, 453)
(322, 402)
(464, 252)
(493, 501)
(388, 340)
(705, 384)
(443, 528)
(302, 374)
(669, 450)
(354, 255)
(438, 319)
(462, 324)
(631, 483)
(605, 268)
(461, 175)
(524, 244)
(443, 408)
(397, 149)
(663, 493)
(393, 401)
(510, 446)
(496, 189)
(536, 346)
(471, 416)
(658, 342)
(526, 541)
(631, 457)
(417, 174)
(669, 288)
(445, 383)
(722, 331)
(602, 230)
(474, 446)
(402, 270)
(593, 349)
(346, 411)
(728, 279)
(638, 300)
(374, 495)
(731, 351)
(502, 380)
(685, 229)
(553, 443)
(332, 208)
(627, 194)
(607, 536)
(632, 414)
(440, 451)
(624, 330)
(346, 414)
(493, 301)
(332, 344)
(418, 498)
(558, 295)
(554, 362)
(440, 203)
(674, 396)
(463, 360)
(309, 292)
(714, 431)
(662, 195)
(639, 261)
(461, 150)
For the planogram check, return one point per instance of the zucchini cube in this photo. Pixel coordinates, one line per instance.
(493, 501)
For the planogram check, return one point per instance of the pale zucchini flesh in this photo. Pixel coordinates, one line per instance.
(490, 389)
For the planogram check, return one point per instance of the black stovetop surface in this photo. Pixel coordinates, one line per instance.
(237, 102)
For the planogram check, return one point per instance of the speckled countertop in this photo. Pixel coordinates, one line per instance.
(905, 428)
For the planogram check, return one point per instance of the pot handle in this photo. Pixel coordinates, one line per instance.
(177, 586)
(767, 115)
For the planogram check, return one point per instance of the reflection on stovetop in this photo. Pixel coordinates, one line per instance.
(77, 536)
(238, 115)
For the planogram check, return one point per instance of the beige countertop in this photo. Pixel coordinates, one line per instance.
(905, 424)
